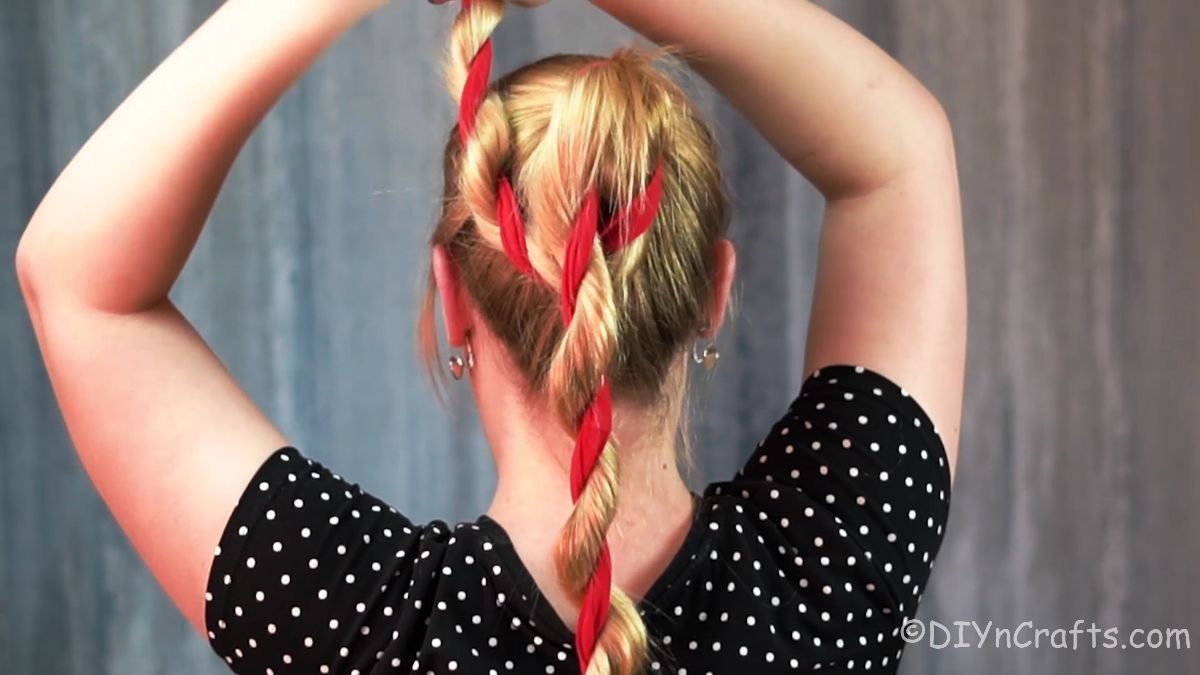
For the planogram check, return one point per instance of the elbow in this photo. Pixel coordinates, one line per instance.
(24, 264)
(936, 129)
(916, 142)
(29, 263)
(928, 153)
(25, 270)
(934, 114)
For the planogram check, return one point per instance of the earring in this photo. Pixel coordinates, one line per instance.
(708, 357)
(456, 364)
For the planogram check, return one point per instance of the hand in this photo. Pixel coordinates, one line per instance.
(523, 3)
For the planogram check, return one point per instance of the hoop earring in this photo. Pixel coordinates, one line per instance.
(708, 357)
(456, 364)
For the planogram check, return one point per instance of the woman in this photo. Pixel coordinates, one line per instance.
(580, 252)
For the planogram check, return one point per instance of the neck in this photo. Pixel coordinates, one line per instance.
(533, 469)
(533, 500)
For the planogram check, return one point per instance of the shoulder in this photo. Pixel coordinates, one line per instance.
(839, 512)
(310, 565)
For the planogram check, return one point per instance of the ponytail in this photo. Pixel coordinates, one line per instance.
(610, 635)
(583, 203)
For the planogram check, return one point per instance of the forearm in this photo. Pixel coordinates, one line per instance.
(118, 224)
(835, 105)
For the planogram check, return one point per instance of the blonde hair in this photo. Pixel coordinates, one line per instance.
(558, 128)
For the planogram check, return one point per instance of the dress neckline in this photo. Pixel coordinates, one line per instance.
(695, 543)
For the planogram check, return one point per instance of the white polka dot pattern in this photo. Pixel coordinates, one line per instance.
(809, 559)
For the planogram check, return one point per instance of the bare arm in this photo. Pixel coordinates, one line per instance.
(891, 282)
(165, 433)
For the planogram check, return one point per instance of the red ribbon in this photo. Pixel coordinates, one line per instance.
(594, 610)
(476, 86)
(579, 252)
(625, 226)
(512, 231)
(596, 423)
(636, 217)
(594, 430)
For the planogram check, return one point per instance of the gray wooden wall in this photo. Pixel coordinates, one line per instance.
(1077, 136)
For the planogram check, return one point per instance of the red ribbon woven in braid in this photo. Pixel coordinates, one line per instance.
(512, 231)
(594, 430)
(508, 212)
(579, 252)
(596, 425)
(635, 218)
(596, 422)
(475, 87)
(625, 226)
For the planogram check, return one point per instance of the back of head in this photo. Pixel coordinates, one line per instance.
(571, 133)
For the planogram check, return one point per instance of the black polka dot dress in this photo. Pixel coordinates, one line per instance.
(809, 559)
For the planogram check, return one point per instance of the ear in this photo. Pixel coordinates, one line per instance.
(725, 266)
(455, 311)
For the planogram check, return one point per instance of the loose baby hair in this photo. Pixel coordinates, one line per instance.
(582, 207)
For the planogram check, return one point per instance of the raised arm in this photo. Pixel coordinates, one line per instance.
(165, 433)
(891, 281)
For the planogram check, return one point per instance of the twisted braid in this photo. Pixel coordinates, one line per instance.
(610, 635)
